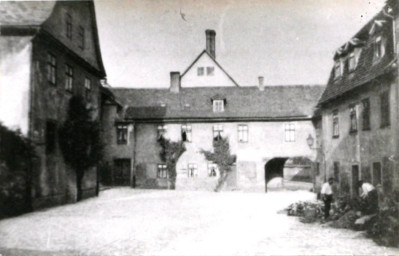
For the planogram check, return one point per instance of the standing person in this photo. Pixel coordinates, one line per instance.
(370, 196)
(327, 197)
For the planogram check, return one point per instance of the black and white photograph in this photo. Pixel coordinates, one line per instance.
(199, 127)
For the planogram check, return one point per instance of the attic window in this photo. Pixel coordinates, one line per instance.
(337, 69)
(200, 71)
(218, 106)
(379, 48)
(351, 62)
(210, 71)
(68, 23)
(81, 37)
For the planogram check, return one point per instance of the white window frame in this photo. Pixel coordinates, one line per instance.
(379, 49)
(218, 106)
(192, 170)
(162, 171)
(352, 62)
(289, 132)
(186, 128)
(242, 133)
(161, 131)
(217, 130)
(122, 134)
(215, 168)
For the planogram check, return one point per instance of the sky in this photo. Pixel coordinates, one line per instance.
(285, 41)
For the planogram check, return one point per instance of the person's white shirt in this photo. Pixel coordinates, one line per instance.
(366, 188)
(326, 189)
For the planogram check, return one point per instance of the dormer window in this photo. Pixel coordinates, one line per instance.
(68, 23)
(337, 69)
(351, 62)
(218, 106)
(379, 49)
(81, 37)
(210, 71)
(200, 71)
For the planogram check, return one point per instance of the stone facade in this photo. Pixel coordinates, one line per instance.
(45, 51)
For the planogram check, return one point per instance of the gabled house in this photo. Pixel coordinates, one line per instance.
(265, 125)
(49, 51)
(359, 108)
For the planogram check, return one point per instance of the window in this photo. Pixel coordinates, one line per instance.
(51, 69)
(337, 69)
(290, 132)
(336, 172)
(121, 134)
(186, 133)
(242, 133)
(217, 131)
(210, 71)
(68, 78)
(335, 124)
(121, 172)
(162, 171)
(218, 105)
(353, 119)
(68, 22)
(51, 136)
(378, 48)
(212, 170)
(366, 114)
(161, 131)
(385, 109)
(351, 62)
(87, 87)
(355, 180)
(200, 71)
(81, 37)
(192, 170)
(317, 171)
(377, 174)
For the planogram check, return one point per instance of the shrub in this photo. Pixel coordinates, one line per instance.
(16, 154)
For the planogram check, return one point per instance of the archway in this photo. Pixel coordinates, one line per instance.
(274, 168)
(294, 173)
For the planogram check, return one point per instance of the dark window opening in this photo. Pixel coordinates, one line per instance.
(162, 171)
(353, 119)
(385, 109)
(377, 174)
(121, 134)
(68, 78)
(366, 114)
(81, 38)
(68, 21)
(51, 69)
(336, 172)
(51, 136)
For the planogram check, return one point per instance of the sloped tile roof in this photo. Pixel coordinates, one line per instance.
(366, 69)
(25, 13)
(275, 102)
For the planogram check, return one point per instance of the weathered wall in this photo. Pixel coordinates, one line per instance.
(362, 148)
(191, 79)
(266, 140)
(15, 68)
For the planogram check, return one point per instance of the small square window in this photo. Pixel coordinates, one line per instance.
(218, 106)
(121, 134)
(200, 71)
(192, 170)
(213, 170)
(162, 171)
(210, 71)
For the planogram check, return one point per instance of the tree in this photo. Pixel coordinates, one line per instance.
(222, 157)
(170, 154)
(80, 140)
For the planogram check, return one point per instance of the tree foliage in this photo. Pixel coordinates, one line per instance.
(16, 154)
(80, 140)
(222, 157)
(170, 154)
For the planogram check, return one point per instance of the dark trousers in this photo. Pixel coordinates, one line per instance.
(327, 205)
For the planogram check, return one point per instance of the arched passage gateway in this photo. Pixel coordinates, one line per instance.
(295, 169)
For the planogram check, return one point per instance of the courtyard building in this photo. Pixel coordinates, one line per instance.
(359, 109)
(266, 127)
(49, 52)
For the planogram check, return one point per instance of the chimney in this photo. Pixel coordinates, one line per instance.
(261, 85)
(174, 82)
(210, 42)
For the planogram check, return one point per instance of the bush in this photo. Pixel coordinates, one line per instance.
(16, 154)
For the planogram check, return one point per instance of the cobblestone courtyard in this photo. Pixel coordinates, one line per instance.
(149, 222)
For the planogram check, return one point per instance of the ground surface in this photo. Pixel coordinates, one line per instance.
(150, 222)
